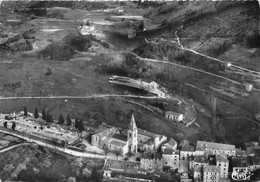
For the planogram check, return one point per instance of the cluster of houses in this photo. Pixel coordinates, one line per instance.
(206, 161)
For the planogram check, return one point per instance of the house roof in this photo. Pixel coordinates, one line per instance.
(151, 156)
(157, 156)
(253, 151)
(168, 151)
(187, 147)
(147, 156)
(211, 168)
(241, 162)
(197, 169)
(184, 166)
(120, 137)
(173, 113)
(221, 158)
(183, 142)
(200, 159)
(202, 145)
(251, 144)
(170, 143)
(149, 142)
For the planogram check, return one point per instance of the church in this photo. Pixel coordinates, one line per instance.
(137, 140)
(142, 141)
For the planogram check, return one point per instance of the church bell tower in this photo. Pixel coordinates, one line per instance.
(132, 136)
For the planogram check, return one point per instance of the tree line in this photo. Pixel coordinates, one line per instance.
(61, 120)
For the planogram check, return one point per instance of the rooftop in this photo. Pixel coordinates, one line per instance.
(200, 159)
(251, 144)
(147, 133)
(187, 147)
(221, 158)
(210, 168)
(114, 165)
(120, 137)
(169, 151)
(184, 166)
(117, 143)
(253, 151)
(241, 162)
(109, 132)
(173, 113)
(146, 156)
(202, 145)
(149, 142)
(151, 156)
(170, 143)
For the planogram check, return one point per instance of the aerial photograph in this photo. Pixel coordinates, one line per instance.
(129, 91)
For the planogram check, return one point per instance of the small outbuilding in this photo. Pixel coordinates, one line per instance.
(174, 116)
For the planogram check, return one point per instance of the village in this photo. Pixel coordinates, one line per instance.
(137, 154)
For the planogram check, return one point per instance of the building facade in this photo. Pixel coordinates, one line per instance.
(170, 159)
(151, 162)
(100, 139)
(186, 151)
(211, 174)
(173, 116)
(211, 148)
(223, 164)
(132, 136)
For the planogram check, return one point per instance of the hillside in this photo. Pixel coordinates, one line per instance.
(45, 55)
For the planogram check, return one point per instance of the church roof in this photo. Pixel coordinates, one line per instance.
(147, 133)
(120, 137)
(117, 143)
(107, 133)
(132, 123)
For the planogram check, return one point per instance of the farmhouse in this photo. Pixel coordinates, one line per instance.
(174, 116)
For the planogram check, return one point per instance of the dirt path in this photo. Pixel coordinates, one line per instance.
(185, 67)
(78, 97)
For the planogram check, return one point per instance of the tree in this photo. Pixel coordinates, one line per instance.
(5, 124)
(25, 111)
(61, 119)
(68, 120)
(49, 118)
(76, 123)
(44, 114)
(81, 126)
(36, 113)
(13, 126)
